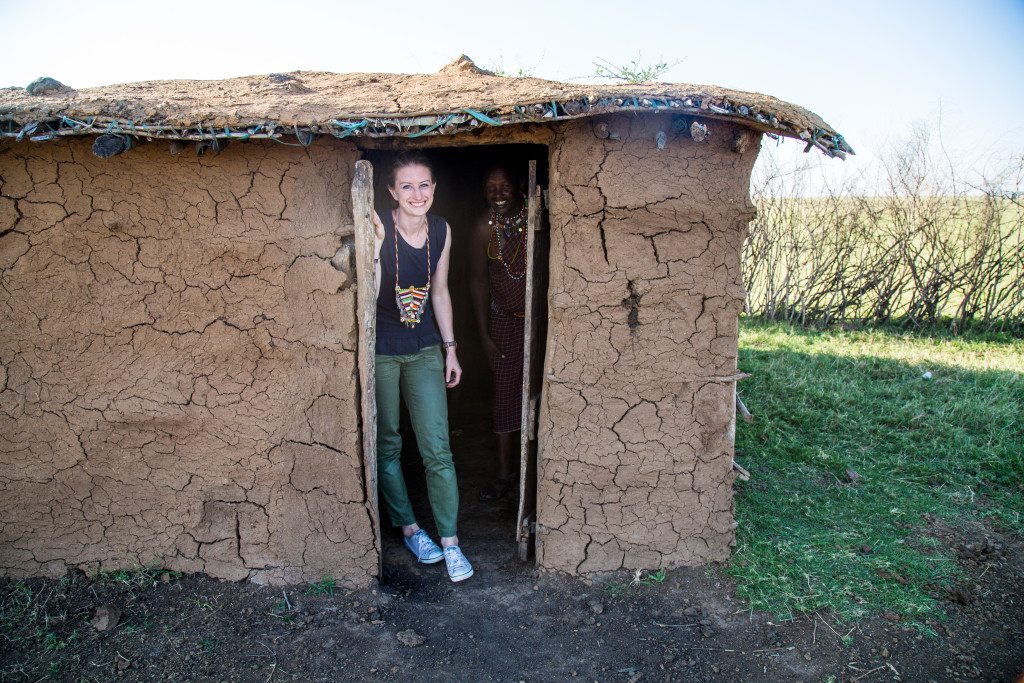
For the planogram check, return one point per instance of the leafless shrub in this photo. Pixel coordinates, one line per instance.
(929, 249)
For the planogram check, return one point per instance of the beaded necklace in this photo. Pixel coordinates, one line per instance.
(515, 227)
(411, 300)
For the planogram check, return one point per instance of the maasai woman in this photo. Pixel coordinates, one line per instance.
(498, 275)
(416, 359)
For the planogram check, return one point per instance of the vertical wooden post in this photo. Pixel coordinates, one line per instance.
(366, 320)
(528, 435)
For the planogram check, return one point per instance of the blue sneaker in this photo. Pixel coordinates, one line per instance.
(425, 550)
(459, 568)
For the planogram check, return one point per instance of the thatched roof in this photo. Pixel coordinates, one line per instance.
(305, 104)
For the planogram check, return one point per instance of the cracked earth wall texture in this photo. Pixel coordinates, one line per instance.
(638, 418)
(178, 371)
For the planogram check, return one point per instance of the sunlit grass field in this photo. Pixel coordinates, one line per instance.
(949, 447)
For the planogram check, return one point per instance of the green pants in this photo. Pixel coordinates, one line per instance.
(419, 378)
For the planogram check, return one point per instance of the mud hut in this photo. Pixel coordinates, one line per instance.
(184, 338)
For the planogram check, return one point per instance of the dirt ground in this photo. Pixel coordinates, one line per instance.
(507, 623)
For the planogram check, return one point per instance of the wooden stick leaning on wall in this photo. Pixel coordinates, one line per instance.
(741, 408)
(741, 473)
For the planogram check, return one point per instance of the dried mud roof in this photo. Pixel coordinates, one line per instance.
(296, 107)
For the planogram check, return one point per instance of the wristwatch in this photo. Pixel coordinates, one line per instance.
(449, 344)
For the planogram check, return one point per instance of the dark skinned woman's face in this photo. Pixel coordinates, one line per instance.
(501, 193)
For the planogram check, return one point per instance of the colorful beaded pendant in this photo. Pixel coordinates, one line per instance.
(411, 300)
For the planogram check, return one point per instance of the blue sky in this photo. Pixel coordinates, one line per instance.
(871, 69)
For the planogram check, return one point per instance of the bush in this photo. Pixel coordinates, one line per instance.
(930, 249)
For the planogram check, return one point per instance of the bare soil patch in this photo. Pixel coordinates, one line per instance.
(506, 623)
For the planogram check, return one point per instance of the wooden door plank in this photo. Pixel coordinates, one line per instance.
(362, 210)
(529, 310)
(524, 538)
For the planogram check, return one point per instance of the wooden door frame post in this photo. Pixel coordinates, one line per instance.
(366, 322)
(526, 514)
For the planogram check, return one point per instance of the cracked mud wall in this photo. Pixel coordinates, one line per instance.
(177, 363)
(638, 419)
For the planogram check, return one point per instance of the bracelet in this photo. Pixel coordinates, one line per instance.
(449, 344)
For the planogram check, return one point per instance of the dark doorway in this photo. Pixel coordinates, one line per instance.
(487, 530)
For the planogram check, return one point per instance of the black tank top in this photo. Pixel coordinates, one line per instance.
(393, 337)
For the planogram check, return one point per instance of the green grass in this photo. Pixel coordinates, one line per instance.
(136, 577)
(951, 447)
(324, 586)
(32, 614)
(203, 603)
(40, 619)
(640, 579)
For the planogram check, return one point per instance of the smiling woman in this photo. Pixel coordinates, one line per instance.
(413, 248)
(491, 526)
